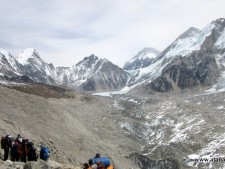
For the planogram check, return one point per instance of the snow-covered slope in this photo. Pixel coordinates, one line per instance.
(144, 58)
(194, 39)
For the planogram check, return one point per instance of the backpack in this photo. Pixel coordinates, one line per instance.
(104, 161)
(44, 153)
(3, 142)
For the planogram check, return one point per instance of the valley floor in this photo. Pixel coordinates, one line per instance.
(171, 130)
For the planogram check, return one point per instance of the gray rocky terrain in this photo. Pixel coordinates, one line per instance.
(74, 128)
(168, 130)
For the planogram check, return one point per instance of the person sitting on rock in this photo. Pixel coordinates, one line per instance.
(44, 153)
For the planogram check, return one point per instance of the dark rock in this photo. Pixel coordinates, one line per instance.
(160, 85)
(145, 163)
(21, 79)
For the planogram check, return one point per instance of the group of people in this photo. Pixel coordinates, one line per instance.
(22, 149)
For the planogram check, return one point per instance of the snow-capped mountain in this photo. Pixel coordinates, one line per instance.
(90, 74)
(194, 59)
(93, 74)
(36, 68)
(143, 59)
(9, 66)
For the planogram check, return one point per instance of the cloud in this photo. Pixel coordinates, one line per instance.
(64, 32)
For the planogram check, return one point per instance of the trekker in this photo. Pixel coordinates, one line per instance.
(6, 143)
(24, 150)
(18, 138)
(15, 152)
(44, 153)
(32, 155)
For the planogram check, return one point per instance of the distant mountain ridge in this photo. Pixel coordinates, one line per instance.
(195, 59)
(90, 74)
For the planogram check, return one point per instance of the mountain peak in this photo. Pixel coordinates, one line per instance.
(218, 24)
(142, 59)
(88, 60)
(91, 57)
(6, 53)
(188, 33)
(147, 52)
(27, 54)
(220, 20)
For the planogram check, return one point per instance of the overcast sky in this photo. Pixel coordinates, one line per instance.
(65, 31)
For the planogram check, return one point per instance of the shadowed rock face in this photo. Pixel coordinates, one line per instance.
(89, 86)
(160, 85)
(146, 163)
(197, 69)
(21, 79)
